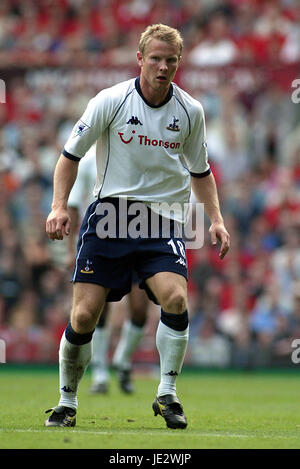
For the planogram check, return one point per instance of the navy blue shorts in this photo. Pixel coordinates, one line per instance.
(114, 262)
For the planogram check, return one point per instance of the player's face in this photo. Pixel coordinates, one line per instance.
(158, 65)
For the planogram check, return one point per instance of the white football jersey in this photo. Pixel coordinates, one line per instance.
(144, 152)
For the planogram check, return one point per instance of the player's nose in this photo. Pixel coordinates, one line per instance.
(163, 66)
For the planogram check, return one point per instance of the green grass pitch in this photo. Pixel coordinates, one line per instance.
(224, 410)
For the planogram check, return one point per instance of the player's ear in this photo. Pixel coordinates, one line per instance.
(139, 57)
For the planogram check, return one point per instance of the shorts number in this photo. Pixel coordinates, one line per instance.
(180, 245)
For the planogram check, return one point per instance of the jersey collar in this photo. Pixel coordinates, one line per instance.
(165, 101)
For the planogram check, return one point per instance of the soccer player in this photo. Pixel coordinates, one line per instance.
(151, 148)
(133, 328)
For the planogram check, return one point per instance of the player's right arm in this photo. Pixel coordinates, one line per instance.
(58, 221)
(85, 133)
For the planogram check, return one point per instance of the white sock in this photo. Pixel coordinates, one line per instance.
(171, 346)
(130, 338)
(101, 338)
(73, 360)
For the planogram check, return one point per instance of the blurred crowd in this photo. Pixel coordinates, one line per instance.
(68, 32)
(244, 310)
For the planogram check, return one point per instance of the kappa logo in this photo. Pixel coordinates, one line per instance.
(174, 127)
(181, 261)
(134, 121)
(172, 373)
(87, 269)
(67, 389)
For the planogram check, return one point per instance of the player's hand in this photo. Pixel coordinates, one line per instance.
(58, 224)
(219, 233)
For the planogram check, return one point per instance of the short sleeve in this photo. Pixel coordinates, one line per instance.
(82, 191)
(195, 147)
(89, 127)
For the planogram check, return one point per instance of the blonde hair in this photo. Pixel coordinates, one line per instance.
(163, 33)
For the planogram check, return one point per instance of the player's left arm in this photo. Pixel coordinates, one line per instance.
(202, 179)
(205, 191)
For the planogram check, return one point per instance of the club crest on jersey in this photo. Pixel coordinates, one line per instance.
(80, 129)
(173, 126)
(134, 121)
(87, 269)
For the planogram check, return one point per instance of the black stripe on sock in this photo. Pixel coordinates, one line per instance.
(75, 338)
(178, 322)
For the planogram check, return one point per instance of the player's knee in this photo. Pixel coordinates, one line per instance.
(174, 301)
(138, 303)
(138, 313)
(83, 320)
(138, 317)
